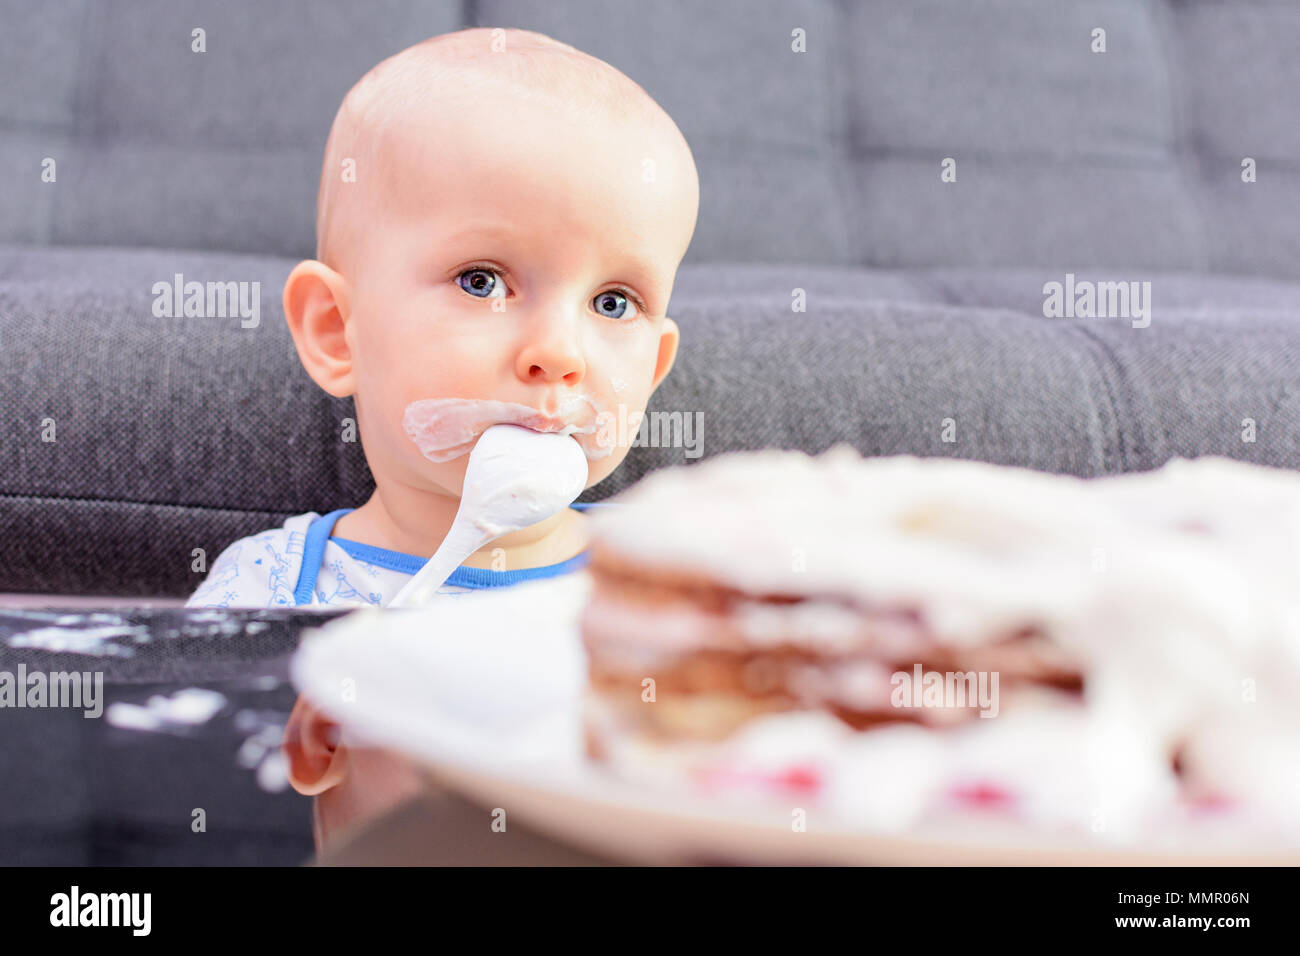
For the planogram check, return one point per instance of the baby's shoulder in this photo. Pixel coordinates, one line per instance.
(260, 570)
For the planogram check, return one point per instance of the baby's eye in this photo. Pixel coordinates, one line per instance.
(614, 304)
(482, 283)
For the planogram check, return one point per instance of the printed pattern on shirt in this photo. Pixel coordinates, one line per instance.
(262, 571)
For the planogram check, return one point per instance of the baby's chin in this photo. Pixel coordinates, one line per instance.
(444, 477)
(599, 470)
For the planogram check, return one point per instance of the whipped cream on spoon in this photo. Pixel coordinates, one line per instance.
(515, 478)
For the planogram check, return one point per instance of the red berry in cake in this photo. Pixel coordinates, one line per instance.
(983, 795)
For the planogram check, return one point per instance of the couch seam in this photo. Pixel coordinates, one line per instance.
(87, 499)
(1168, 40)
(1104, 360)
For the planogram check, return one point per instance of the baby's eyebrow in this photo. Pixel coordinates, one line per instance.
(485, 231)
(639, 269)
(642, 274)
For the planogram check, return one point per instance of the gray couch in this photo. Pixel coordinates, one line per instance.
(820, 171)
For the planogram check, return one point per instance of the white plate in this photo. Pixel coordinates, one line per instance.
(484, 689)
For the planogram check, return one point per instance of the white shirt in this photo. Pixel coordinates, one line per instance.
(300, 565)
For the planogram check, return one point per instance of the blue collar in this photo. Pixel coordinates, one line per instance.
(319, 533)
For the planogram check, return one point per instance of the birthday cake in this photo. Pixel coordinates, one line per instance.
(897, 639)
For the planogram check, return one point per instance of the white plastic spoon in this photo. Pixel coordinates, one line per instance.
(516, 477)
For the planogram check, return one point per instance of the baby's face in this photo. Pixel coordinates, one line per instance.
(524, 261)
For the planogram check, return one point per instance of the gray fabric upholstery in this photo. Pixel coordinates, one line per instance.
(1065, 157)
(175, 434)
(820, 171)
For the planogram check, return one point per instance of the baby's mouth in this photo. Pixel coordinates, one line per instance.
(446, 428)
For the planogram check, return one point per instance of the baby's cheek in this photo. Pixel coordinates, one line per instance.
(416, 373)
(620, 380)
(618, 387)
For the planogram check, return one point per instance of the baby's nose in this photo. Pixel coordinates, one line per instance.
(552, 357)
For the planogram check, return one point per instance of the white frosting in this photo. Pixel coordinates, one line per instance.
(94, 641)
(672, 629)
(447, 428)
(1178, 590)
(516, 477)
(821, 625)
(519, 477)
(185, 708)
(995, 547)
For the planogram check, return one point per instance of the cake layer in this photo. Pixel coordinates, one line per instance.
(978, 556)
(1152, 621)
(655, 628)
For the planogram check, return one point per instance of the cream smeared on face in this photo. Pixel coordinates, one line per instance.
(447, 428)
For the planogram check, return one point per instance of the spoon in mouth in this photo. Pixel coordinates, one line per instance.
(515, 478)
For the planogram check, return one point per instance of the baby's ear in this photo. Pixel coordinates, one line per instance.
(317, 761)
(317, 309)
(669, 336)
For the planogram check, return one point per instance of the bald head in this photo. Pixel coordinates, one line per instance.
(437, 81)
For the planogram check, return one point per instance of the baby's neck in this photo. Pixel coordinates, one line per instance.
(416, 522)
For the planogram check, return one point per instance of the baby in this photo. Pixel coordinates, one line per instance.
(499, 225)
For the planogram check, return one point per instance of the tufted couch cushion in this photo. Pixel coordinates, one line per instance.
(174, 434)
(1065, 157)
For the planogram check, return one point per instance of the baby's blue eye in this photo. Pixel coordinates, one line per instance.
(482, 283)
(612, 304)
